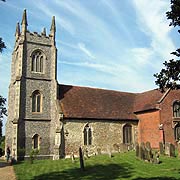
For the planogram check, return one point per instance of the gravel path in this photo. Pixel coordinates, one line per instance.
(6, 171)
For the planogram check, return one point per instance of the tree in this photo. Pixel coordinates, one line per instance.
(170, 75)
(2, 45)
(3, 111)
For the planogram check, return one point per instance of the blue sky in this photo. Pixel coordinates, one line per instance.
(111, 44)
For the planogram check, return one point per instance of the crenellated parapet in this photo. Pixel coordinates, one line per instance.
(22, 33)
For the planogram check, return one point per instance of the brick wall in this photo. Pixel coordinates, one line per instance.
(167, 114)
(148, 128)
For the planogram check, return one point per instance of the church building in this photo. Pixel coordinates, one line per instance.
(57, 119)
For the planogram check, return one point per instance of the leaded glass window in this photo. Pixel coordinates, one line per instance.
(36, 101)
(127, 134)
(87, 135)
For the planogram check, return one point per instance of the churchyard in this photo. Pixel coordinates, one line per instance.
(131, 165)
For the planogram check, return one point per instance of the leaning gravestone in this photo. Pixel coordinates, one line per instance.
(81, 159)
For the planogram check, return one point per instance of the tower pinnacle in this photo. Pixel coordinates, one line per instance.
(24, 22)
(44, 32)
(17, 33)
(53, 27)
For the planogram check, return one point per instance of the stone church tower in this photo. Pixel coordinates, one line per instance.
(32, 116)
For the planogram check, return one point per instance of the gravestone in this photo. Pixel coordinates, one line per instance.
(81, 159)
(178, 149)
(161, 148)
(98, 151)
(148, 145)
(123, 147)
(116, 147)
(141, 152)
(156, 159)
(172, 150)
(167, 148)
(137, 150)
(86, 155)
(145, 153)
(148, 152)
(72, 157)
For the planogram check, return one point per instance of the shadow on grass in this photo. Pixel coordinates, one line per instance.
(103, 172)
(156, 178)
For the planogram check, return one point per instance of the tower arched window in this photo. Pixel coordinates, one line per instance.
(37, 61)
(177, 132)
(176, 109)
(36, 101)
(35, 141)
(127, 134)
(87, 135)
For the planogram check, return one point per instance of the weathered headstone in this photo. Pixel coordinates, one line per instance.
(86, 156)
(123, 147)
(72, 157)
(156, 159)
(137, 150)
(161, 148)
(145, 153)
(81, 159)
(178, 149)
(98, 151)
(109, 151)
(141, 152)
(148, 145)
(172, 150)
(116, 147)
(167, 148)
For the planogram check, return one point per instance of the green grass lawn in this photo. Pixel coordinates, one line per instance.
(120, 166)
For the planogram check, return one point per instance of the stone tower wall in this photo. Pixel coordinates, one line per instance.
(22, 123)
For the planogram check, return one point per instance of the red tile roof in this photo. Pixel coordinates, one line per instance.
(85, 102)
(147, 100)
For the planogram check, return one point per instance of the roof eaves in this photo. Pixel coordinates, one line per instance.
(104, 119)
(147, 110)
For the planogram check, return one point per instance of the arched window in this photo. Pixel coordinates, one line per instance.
(36, 101)
(177, 132)
(36, 141)
(37, 61)
(127, 134)
(176, 109)
(87, 135)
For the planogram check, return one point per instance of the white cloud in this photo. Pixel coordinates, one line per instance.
(60, 20)
(151, 19)
(83, 48)
(141, 56)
